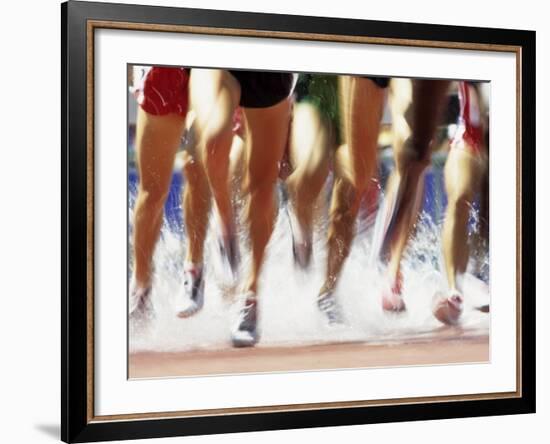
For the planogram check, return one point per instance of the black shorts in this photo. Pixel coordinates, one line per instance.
(382, 82)
(263, 89)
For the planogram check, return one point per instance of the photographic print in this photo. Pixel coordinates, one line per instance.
(276, 221)
(284, 221)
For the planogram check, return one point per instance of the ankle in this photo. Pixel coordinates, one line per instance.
(192, 267)
(141, 282)
(325, 289)
(250, 298)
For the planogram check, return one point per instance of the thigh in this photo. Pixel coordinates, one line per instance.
(462, 174)
(417, 114)
(428, 101)
(214, 96)
(400, 100)
(361, 113)
(267, 135)
(367, 100)
(309, 134)
(157, 141)
(236, 162)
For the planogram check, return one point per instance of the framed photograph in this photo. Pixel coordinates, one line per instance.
(275, 221)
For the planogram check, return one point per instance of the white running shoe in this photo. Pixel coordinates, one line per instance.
(330, 308)
(193, 293)
(141, 307)
(301, 239)
(245, 331)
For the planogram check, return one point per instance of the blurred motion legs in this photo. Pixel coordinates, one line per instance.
(196, 201)
(214, 97)
(464, 171)
(310, 146)
(267, 133)
(157, 140)
(412, 155)
(462, 179)
(354, 165)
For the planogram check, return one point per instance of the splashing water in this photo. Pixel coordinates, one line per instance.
(288, 311)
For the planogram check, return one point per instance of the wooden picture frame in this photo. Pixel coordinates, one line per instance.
(80, 20)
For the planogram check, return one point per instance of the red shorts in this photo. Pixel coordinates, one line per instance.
(164, 90)
(470, 128)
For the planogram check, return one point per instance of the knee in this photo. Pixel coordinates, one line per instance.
(307, 184)
(357, 180)
(414, 158)
(355, 172)
(261, 189)
(215, 157)
(348, 198)
(343, 216)
(214, 138)
(459, 204)
(151, 199)
(401, 131)
(420, 147)
(192, 167)
(264, 177)
(360, 185)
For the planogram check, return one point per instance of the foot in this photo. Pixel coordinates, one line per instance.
(330, 308)
(448, 310)
(245, 332)
(392, 298)
(141, 308)
(229, 252)
(193, 293)
(301, 240)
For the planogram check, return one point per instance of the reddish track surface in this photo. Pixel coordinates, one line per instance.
(440, 350)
